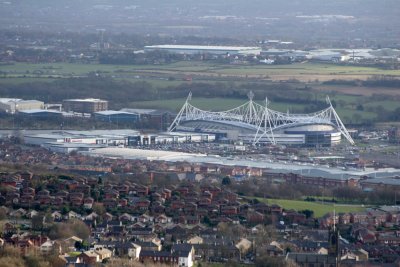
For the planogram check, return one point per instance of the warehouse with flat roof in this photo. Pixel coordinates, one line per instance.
(13, 105)
(204, 49)
(116, 116)
(40, 113)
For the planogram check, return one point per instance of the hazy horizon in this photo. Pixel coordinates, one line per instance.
(288, 20)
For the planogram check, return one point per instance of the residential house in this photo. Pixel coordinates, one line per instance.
(185, 254)
(50, 247)
(163, 257)
(88, 203)
(128, 249)
(89, 257)
(255, 217)
(154, 245)
(103, 253)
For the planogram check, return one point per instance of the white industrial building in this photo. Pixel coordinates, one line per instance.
(96, 137)
(67, 141)
(13, 105)
(170, 138)
(70, 147)
(204, 49)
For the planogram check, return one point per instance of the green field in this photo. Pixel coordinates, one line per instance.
(215, 104)
(306, 69)
(189, 67)
(172, 75)
(319, 208)
(388, 105)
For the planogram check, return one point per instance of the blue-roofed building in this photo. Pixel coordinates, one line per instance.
(116, 116)
(40, 113)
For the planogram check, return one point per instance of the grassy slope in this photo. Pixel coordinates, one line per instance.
(318, 208)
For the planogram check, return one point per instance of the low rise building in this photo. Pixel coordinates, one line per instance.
(88, 105)
(13, 105)
(116, 116)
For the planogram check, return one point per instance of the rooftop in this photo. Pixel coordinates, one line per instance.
(202, 47)
(130, 153)
(113, 112)
(86, 100)
(141, 111)
(33, 111)
(6, 100)
(386, 181)
(18, 100)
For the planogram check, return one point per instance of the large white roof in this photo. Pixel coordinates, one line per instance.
(130, 153)
(18, 100)
(86, 100)
(33, 111)
(112, 112)
(202, 47)
(278, 167)
(6, 100)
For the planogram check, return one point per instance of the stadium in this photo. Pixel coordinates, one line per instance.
(257, 124)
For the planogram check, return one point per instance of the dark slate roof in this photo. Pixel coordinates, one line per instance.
(310, 244)
(182, 247)
(107, 243)
(311, 258)
(151, 253)
(145, 244)
(181, 253)
(125, 245)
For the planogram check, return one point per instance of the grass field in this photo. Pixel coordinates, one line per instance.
(318, 208)
(306, 71)
(215, 104)
(388, 105)
(203, 71)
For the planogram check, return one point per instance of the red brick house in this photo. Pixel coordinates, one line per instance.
(229, 210)
(255, 217)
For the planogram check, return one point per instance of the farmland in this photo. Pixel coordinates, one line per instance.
(301, 71)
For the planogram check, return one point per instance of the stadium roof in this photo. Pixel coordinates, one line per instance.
(264, 120)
